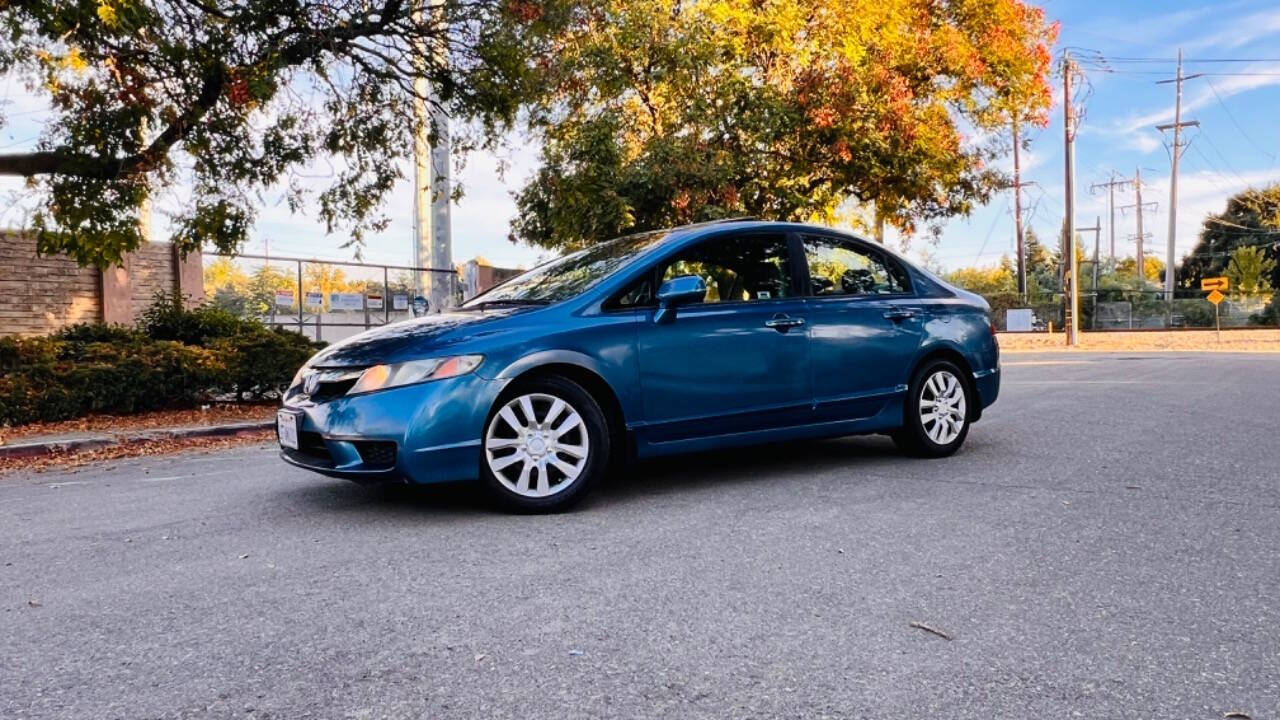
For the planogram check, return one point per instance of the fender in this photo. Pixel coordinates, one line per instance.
(551, 357)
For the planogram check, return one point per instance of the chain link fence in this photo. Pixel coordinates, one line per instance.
(1140, 310)
(325, 300)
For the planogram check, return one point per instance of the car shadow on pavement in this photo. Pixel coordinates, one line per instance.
(765, 463)
(761, 463)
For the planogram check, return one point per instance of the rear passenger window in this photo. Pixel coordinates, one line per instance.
(839, 267)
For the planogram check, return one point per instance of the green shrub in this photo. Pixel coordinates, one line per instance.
(98, 332)
(168, 319)
(104, 369)
(263, 362)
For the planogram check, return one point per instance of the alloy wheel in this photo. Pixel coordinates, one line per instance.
(942, 407)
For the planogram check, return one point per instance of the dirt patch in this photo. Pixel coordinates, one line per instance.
(167, 446)
(1261, 340)
(216, 414)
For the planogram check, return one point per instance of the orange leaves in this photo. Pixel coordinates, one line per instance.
(524, 10)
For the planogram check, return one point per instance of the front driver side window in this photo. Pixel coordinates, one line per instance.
(744, 268)
(838, 267)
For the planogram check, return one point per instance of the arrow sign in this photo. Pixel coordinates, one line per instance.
(1215, 283)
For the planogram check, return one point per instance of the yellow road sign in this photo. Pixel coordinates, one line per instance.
(1215, 283)
(1216, 297)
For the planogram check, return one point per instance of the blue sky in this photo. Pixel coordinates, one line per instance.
(1236, 145)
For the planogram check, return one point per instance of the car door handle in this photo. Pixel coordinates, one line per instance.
(899, 315)
(782, 323)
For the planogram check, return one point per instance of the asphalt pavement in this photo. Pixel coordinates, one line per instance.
(1107, 544)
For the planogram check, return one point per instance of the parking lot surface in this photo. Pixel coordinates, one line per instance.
(1105, 545)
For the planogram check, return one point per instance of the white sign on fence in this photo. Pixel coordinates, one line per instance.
(315, 299)
(284, 298)
(399, 302)
(346, 301)
(375, 302)
(1018, 319)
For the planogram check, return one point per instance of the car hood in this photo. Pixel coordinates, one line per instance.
(411, 339)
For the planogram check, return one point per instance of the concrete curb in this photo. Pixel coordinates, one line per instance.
(33, 449)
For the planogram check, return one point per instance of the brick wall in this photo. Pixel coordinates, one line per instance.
(41, 294)
(151, 269)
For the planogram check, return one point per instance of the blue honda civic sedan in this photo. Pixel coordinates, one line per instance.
(707, 336)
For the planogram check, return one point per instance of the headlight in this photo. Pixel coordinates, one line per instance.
(380, 377)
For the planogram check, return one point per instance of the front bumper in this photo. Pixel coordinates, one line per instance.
(424, 433)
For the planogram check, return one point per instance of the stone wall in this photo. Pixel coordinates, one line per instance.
(41, 294)
(38, 294)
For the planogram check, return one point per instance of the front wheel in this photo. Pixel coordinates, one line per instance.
(935, 418)
(546, 442)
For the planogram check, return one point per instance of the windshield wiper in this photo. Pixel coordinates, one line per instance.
(510, 302)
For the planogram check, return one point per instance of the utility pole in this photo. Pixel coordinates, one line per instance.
(1111, 186)
(1072, 312)
(432, 238)
(1139, 206)
(1174, 153)
(1017, 214)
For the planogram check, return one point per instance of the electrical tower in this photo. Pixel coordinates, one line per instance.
(1138, 207)
(1111, 186)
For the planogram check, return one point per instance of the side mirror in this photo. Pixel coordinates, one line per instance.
(678, 291)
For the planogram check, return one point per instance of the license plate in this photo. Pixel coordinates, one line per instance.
(287, 429)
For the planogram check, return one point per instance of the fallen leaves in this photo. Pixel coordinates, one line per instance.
(166, 446)
(214, 414)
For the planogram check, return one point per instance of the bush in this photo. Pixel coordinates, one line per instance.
(167, 319)
(98, 332)
(263, 362)
(180, 359)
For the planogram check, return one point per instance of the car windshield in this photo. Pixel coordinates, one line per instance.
(568, 276)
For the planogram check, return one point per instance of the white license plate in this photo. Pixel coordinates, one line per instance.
(287, 429)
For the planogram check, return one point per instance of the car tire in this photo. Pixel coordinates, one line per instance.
(548, 461)
(936, 411)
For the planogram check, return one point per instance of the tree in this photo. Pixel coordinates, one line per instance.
(1250, 272)
(1251, 219)
(231, 98)
(223, 272)
(1152, 268)
(999, 280)
(661, 113)
(1042, 266)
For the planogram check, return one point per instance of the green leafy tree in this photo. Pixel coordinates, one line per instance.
(1251, 219)
(232, 98)
(999, 280)
(1250, 272)
(661, 113)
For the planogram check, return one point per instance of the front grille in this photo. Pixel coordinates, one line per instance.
(312, 445)
(376, 453)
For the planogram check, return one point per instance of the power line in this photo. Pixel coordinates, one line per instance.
(1232, 118)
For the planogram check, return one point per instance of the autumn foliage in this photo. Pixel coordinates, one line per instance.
(671, 112)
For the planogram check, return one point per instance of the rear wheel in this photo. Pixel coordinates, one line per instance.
(935, 418)
(545, 443)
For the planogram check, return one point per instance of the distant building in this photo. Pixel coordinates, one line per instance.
(478, 275)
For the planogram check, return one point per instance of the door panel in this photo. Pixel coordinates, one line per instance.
(864, 327)
(737, 362)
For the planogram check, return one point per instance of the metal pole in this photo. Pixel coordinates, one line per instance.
(1073, 295)
(1173, 185)
(1137, 186)
(301, 295)
(1017, 216)
(386, 297)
